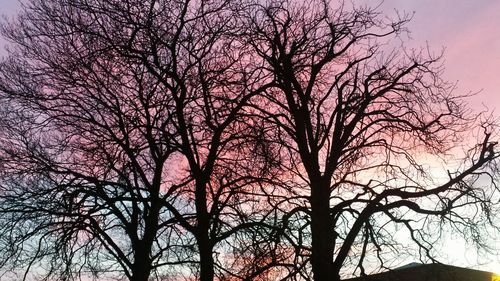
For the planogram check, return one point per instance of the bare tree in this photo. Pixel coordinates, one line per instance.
(356, 120)
(123, 146)
(87, 144)
(216, 138)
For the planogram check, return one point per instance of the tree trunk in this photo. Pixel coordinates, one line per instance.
(142, 265)
(205, 246)
(206, 258)
(322, 235)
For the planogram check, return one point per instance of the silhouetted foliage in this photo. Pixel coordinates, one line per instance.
(228, 140)
(355, 121)
(123, 146)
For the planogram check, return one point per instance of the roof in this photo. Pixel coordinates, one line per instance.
(430, 272)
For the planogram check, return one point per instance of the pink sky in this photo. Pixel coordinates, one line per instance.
(469, 31)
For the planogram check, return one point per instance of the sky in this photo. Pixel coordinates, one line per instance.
(468, 30)
(9, 7)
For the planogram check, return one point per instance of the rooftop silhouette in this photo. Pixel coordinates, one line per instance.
(430, 272)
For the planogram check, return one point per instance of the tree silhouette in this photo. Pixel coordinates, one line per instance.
(355, 119)
(124, 149)
(228, 140)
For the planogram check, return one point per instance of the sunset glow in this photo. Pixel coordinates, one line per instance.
(248, 139)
